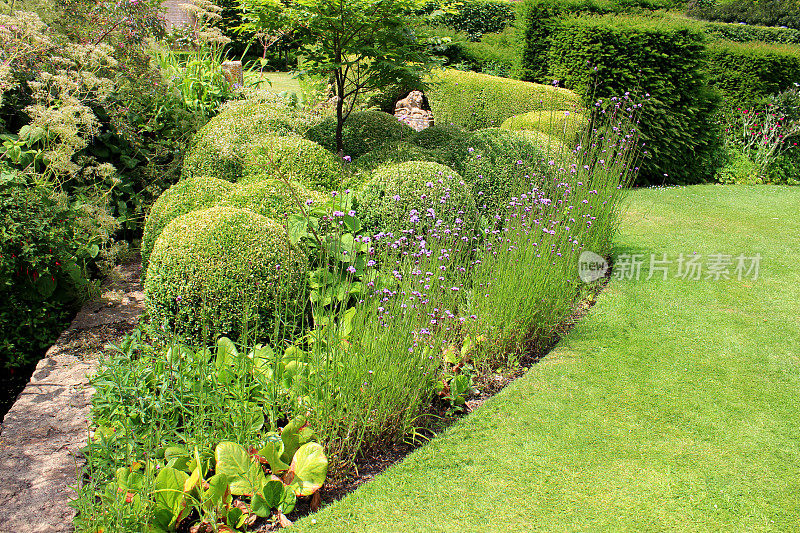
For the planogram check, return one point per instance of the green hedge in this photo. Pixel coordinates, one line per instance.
(208, 268)
(218, 149)
(475, 101)
(753, 12)
(394, 152)
(743, 33)
(474, 17)
(388, 200)
(363, 131)
(747, 72)
(273, 198)
(184, 197)
(567, 126)
(293, 158)
(604, 57)
(498, 164)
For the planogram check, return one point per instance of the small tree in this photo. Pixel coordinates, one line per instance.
(360, 45)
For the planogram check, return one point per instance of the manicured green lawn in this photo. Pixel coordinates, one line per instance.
(673, 406)
(281, 81)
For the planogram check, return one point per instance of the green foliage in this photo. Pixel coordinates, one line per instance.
(198, 78)
(359, 46)
(394, 152)
(568, 126)
(439, 135)
(407, 195)
(745, 73)
(476, 101)
(224, 270)
(45, 245)
(497, 163)
(474, 17)
(292, 158)
(743, 33)
(605, 57)
(363, 132)
(184, 197)
(219, 148)
(274, 198)
(753, 12)
(496, 54)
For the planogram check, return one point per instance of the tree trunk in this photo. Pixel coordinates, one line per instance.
(339, 115)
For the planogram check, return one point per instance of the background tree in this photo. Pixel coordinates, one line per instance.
(360, 45)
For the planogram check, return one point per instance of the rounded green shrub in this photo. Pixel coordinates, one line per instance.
(293, 158)
(394, 152)
(437, 136)
(363, 132)
(183, 197)
(273, 198)
(500, 163)
(568, 126)
(416, 195)
(221, 268)
(219, 148)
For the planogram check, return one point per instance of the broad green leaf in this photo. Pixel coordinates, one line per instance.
(310, 466)
(272, 452)
(246, 476)
(169, 490)
(268, 499)
(290, 435)
(218, 492)
(226, 352)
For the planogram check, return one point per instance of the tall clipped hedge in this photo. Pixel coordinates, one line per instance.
(475, 101)
(747, 72)
(602, 57)
(742, 33)
(757, 12)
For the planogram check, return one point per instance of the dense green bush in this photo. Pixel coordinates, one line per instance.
(294, 158)
(274, 198)
(409, 195)
(743, 33)
(747, 72)
(476, 101)
(498, 164)
(47, 246)
(189, 195)
(496, 54)
(363, 131)
(474, 17)
(755, 12)
(568, 126)
(394, 152)
(219, 148)
(439, 135)
(605, 57)
(224, 269)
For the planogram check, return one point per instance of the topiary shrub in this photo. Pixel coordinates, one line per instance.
(220, 268)
(393, 152)
(416, 195)
(746, 73)
(363, 132)
(293, 158)
(500, 163)
(476, 101)
(184, 197)
(273, 198)
(219, 148)
(437, 135)
(567, 126)
(605, 57)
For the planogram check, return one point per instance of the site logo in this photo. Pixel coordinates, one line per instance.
(591, 267)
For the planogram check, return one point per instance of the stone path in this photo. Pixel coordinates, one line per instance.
(40, 437)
